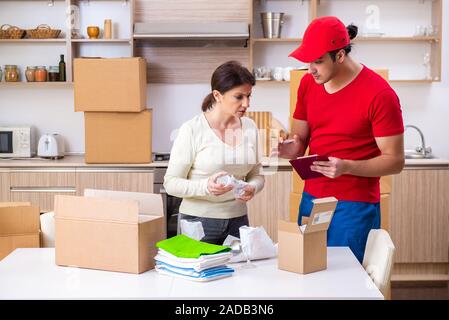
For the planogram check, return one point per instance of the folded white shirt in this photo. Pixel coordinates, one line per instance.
(197, 264)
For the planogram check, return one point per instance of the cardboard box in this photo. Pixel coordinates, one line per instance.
(297, 183)
(110, 84)
(295, 200)
(304, 249)
(19, 226)
(109, 230)
(113, 137)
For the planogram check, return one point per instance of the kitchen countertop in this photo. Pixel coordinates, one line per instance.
(271, 163)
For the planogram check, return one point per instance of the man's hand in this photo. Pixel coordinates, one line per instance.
(287, 148)
(332, 169)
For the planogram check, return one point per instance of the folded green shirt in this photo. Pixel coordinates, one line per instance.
(184, 247)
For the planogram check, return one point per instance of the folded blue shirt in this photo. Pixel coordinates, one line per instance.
(207, 273)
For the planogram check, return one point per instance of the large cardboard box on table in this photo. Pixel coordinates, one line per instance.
(303, 249)
(19, 226)
(109, 230)
(110, 84)
(113, 137)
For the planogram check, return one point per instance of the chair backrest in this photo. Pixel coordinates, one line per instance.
(379, 258)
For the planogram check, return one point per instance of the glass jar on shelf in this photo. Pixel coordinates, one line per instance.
(11, 73)
(30, 73)
(53, 73)
(1, 74)
(41, 74)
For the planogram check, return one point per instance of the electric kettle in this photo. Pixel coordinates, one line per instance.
(51, 146)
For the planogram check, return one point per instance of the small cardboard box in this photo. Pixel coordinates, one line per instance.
(115, 137)
(110, 84)
(295, 201)
(19, 226)
(109, 230)
(304, 249)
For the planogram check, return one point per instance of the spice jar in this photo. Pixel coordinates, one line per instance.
(1, 74)
(30, 73)
(41, 74)
(53, 73)
(11, 73)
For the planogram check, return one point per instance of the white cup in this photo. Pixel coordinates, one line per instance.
(278, 73)
(286, 73)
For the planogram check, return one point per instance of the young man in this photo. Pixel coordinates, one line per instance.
(349, 113)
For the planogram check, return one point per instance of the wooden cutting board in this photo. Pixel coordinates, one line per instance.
(263, 122)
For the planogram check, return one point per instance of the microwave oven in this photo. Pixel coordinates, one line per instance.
(16, 142)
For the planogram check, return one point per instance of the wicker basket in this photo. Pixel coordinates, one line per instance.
(43, 31)
(11, 32)
(4, 31)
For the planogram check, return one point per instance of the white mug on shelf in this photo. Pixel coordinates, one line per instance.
(286, 73)
(278, 73)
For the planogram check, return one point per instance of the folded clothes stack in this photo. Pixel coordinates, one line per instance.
(184, 257)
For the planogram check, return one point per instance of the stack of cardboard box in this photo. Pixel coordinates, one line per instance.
(19, 227)
(112, 93)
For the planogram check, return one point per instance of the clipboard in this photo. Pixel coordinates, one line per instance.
(302, 166)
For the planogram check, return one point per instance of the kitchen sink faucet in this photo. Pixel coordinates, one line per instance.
(422, 149)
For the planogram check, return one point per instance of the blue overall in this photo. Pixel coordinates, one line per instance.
(350, 225)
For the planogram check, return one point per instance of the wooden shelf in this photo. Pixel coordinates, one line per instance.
(276, 40)
(58, 40)
(48, 84)
(262, 82)
(412, 81)
(101, 40)
(420, 38)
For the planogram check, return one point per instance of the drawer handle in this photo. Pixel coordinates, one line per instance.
(43, 189)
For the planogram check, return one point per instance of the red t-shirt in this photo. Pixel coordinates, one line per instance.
(344, 125)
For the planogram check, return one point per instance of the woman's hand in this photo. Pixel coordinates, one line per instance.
(248, 193)
(217, 189)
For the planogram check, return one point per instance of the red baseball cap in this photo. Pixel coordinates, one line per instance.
(323, 34)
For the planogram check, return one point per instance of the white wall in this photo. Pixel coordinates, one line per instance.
(51, 109)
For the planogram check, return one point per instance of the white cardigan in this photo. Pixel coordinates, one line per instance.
(198, 153)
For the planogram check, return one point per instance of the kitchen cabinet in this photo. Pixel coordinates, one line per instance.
(189, 61)
(118, 179)
(420, 223)
(40, 185)
(4, 185)
(397, 28)
(272, 203)
(68, 16)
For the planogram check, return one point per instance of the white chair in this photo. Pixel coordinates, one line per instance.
(47, 230)
(378, 260)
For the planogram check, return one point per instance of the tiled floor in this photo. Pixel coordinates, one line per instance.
(420, 291)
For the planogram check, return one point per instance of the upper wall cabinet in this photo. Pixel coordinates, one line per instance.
(402, 36)
(191, 60)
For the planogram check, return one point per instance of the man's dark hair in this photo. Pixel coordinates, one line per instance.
(352, 30)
